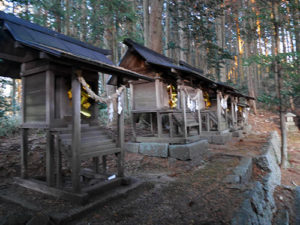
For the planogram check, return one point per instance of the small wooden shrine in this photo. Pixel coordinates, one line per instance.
(181, 104)
(52, 67)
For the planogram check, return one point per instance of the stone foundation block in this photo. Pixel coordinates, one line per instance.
(193, 151)
(244, 169)
(132, 147)
(237, 133)
(154, 149)
(247, 129)
(221, 139)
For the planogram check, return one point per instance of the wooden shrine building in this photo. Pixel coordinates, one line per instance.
(49, 64)
(181, 105)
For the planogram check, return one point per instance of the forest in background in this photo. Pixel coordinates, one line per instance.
(253, 45)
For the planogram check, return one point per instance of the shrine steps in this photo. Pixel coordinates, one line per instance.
(191, 120)
(95, 142)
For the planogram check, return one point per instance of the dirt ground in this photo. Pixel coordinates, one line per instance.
(175, 192)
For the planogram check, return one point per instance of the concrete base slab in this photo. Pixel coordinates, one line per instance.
(193, 151)
(70, 213)
(42, 187)
(154, 149)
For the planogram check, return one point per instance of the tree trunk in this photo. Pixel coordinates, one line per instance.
(168, 30)
(220, 30)
(146, 22)
(155, 28)
(250, 71)
(284, 162)
(67, 18)
(83, 33)
(183, 37)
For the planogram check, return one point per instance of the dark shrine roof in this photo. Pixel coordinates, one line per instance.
(59, 45)
(41, 38)
(151, 56)
(157, 59)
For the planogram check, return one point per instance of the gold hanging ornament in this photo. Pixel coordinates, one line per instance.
(84, 102)
(206, 99)
(172, 96)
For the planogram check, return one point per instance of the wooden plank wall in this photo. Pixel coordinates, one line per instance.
(35, 98)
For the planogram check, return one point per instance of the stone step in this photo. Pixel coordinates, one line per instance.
(91, 134)
(94, 148)
(99, 153)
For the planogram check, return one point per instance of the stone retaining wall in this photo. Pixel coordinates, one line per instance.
(259, 204)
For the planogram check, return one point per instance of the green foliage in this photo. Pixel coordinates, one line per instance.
(268, 101)
(9, 125)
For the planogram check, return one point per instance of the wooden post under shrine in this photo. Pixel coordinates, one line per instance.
(219, 115)
(76, 134)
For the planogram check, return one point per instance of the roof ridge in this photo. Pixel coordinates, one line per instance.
(19, 21)
(131, 42)
(183, 63)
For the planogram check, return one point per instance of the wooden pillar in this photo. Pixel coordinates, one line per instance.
(152, 121)
(50, 172)
(76, 133)
(24, 132)
(50, 151)
(120, 155)
(183, 102)
(157, 91)
(178, 93)
(96, 164)
(171, 124)
(233, 112)
(104, 165)
(132, 104)
(199, 114)
(59, 182)
(207, 121)
(50, 96)
(159, 124)
(219, 115)
(158, 104)
(24, 152)
(236, 112)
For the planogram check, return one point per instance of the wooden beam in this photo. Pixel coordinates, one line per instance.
(9, 57)
(24, 151)
(76, 133)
